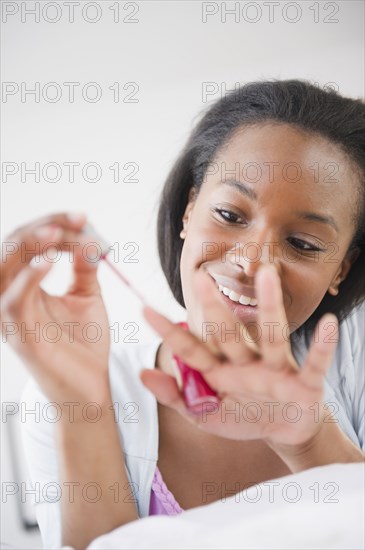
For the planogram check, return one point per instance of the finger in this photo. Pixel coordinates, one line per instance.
(33, 239)
(86, 258)
(182, 342)
(321, 352)
(66, 220)
(272, 320)
(19, 297)
(227, 331)
(17, 253)
(166, 391)
(164, 388)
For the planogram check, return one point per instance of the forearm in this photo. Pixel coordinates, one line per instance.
(329, 446)
(90, 453)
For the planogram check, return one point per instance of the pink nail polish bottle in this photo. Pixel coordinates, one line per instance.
(198, 395)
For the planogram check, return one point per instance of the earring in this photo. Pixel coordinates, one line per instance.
(183, 234)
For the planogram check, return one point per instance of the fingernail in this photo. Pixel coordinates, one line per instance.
(50, 231)
(270, 268)
(76, 217)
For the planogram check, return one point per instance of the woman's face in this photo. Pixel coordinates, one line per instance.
(275, 195)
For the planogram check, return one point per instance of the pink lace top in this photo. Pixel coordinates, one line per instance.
(162, 501)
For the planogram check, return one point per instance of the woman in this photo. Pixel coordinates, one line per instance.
(266, 204)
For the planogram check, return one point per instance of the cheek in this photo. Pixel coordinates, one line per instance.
(200, 245)
(306, 285)
(189, 258)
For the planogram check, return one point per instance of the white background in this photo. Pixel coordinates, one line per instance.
(169, 53)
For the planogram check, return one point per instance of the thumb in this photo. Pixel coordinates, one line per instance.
(164, 388)
(86, 259)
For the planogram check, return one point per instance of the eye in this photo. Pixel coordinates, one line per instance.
(229, 216)
(303, 245)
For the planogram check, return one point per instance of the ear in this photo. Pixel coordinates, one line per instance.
(343, 270)
(188, 212)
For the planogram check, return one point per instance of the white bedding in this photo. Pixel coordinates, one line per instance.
(321, 508)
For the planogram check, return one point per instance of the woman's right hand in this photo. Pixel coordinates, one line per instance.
(72, 370)
(69, 353)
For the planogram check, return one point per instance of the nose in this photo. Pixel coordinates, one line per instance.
(250, 256)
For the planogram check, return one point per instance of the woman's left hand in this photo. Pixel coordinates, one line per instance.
(264, 393)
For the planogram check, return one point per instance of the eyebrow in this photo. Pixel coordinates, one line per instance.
(241, 188)
(248, 192)
(318, 218)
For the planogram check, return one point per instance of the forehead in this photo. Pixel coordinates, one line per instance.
(281, 157)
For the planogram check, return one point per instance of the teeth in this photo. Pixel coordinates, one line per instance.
(244, 300)
(233, 296)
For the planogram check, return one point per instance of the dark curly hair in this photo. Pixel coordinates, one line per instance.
(324, 113)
